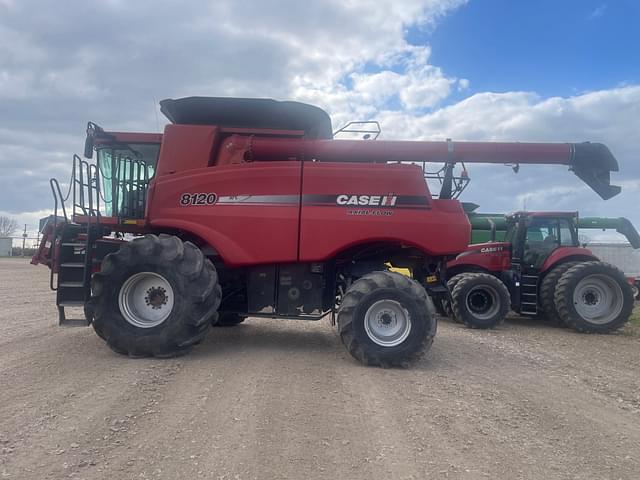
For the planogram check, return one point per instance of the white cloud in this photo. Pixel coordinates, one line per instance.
(108, 61)
(608, 116)
(597, 12)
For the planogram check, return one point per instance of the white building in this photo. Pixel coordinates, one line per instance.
(622, 255)
(5, 246)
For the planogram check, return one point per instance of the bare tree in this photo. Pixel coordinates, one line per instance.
(8, 226)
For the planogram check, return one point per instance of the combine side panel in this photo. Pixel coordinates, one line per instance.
(248, 212)
(345, 204)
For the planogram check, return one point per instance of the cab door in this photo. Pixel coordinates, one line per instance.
(543, 237)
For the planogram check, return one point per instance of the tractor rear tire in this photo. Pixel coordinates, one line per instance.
(385, 319)
(229, 320)
(548, 291)
(594, 297)
(481, 300)
(155, 297)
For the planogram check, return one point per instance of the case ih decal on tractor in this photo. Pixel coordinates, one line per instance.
(238, 209)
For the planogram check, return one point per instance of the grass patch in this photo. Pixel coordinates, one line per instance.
(633, 327)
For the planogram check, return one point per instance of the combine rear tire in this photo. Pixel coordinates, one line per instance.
(385, 320)
(594, 297)
(481, 300)
(548, 291)
(155, 296)
(229, 320)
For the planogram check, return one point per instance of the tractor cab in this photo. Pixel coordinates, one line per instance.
(539, 242)
(535, 236)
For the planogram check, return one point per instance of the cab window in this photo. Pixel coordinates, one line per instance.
(566, 233)
(542, 238)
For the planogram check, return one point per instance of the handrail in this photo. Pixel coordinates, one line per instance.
(55, 188)
(366, 133)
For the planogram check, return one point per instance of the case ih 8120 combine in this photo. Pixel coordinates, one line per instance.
(250, 207)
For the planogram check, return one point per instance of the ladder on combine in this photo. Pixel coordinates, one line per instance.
(72, 244)
(529, 294)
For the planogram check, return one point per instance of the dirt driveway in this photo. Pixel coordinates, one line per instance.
(283, 399)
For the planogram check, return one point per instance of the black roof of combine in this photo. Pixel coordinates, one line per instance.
(249, 113)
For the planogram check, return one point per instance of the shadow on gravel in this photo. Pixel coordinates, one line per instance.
(534, 323)
(259, 336)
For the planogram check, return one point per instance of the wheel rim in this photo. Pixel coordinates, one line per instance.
(483, 302)
(387, 323)
(598, 299)
(146, 299)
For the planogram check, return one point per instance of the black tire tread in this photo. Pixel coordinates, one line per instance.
(451, 284)
(548, 291)
(202, 287)
(564, 297)
(229, 320)
(458, 302)
(368, 284)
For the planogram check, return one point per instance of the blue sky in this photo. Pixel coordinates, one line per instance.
(560, 47)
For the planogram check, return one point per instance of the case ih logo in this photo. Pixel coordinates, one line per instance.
(491, 249)
(368, 200)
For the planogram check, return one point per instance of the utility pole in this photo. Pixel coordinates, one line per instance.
(24, 238)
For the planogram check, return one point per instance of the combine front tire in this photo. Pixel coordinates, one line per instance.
(155, 296)
(385, 320)
(594, 297)
(481, 300)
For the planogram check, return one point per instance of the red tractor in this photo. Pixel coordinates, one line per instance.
(250, 207)
(540, 268)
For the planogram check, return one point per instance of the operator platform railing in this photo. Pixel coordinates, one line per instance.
(94, 191)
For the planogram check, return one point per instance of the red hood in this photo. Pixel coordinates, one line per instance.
(490, 256)
(488, 247)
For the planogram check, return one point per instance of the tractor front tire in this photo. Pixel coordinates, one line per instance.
(155, 297)
(385, 319)
(594, 297)
(446, 304)
(548, 291)
(481, 300)
(229, 320)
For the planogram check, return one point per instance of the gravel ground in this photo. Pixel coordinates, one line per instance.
(283, 399)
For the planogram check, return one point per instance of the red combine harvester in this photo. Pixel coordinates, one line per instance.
(540, 269)
(250, 207)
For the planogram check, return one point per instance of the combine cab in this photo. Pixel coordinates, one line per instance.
(249, 207)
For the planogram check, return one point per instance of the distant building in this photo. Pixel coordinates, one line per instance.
(622, 255)
(5, 246)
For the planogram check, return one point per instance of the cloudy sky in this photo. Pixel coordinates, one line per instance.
(426, 69)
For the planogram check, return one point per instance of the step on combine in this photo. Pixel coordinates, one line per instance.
(252, 208)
